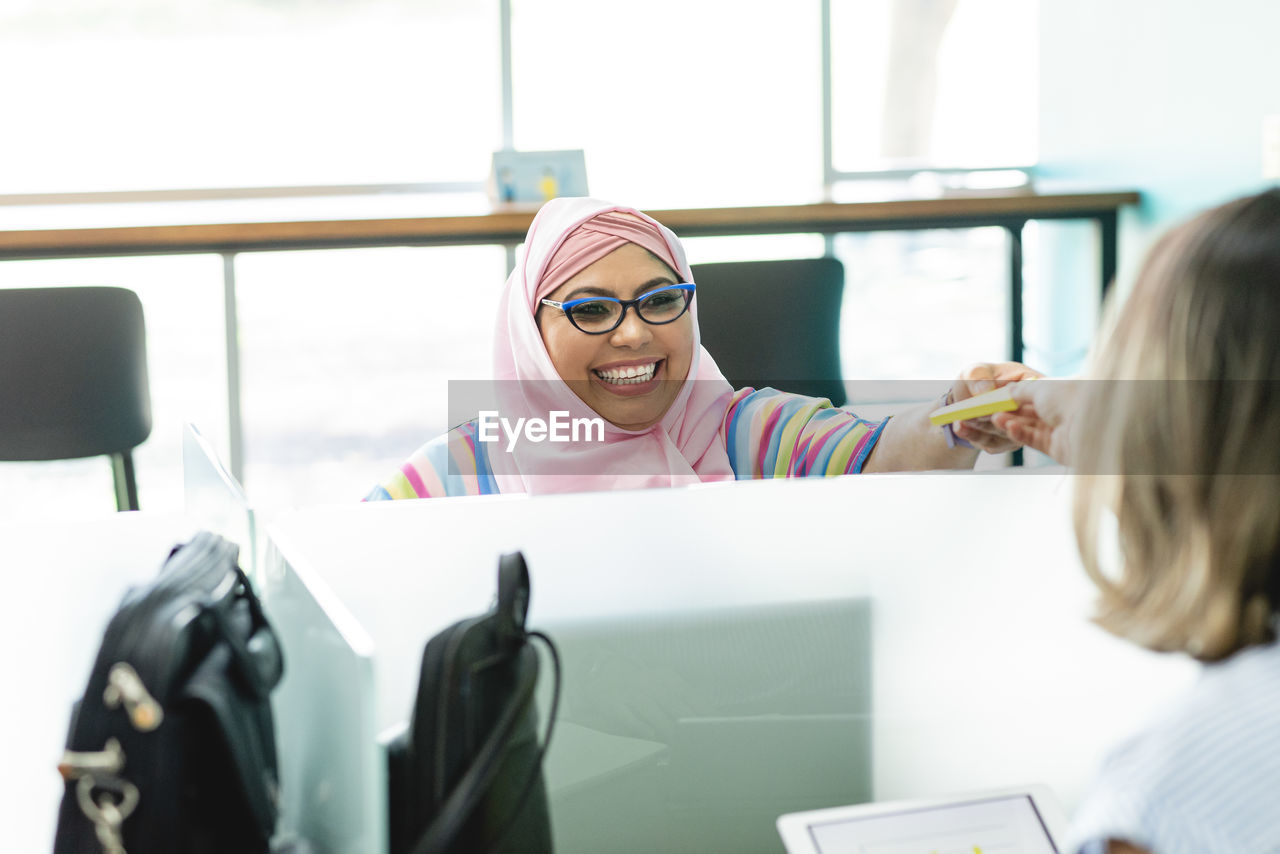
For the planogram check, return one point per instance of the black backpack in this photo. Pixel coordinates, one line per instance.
(467, 774)
(172, 747)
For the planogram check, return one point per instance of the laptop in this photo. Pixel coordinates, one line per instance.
(1022, 820)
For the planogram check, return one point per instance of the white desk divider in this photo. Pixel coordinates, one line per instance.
(928, 631)
(731, 652)
(215, 499)
(332, 772)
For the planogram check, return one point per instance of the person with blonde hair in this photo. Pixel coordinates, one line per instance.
(1175, 438)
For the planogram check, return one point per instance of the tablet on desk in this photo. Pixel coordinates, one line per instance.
(1024, 820)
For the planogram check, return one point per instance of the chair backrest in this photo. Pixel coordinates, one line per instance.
(774, 323)
(73, 374)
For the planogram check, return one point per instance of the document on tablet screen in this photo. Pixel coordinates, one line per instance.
(1007, 825)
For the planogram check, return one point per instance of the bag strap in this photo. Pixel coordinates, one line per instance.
(258, 658)
(479, 775)
(513, 602)
(513, 597)
(536, 768)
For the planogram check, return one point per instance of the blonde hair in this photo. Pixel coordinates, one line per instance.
(1179, 436)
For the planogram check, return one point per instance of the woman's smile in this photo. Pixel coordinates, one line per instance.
(630, 378)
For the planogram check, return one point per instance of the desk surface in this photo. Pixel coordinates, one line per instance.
(509, 225)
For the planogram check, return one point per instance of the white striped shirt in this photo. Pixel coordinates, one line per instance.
(1204, 778)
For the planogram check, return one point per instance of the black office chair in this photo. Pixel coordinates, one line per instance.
(774, 323)
(73, 378)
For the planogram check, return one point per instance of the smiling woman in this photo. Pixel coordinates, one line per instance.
(599, 322)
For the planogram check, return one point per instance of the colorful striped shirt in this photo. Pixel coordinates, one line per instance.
(767, 433)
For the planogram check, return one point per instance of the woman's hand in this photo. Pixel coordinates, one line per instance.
(985, 433)
(911, 442)
(1043, 419)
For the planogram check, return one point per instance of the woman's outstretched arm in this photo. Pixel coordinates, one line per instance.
(910, 442)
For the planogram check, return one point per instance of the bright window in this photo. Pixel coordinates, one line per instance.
(155, 94)
(677, 103)
(345, 353)
(944, 83)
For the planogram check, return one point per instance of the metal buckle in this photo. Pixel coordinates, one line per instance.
(107, 815)
(117, 798)
(108, 762)
(124, 686)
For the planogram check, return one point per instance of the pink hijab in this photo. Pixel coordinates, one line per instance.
(685, 447)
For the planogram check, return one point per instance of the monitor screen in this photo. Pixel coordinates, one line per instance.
(692, 731)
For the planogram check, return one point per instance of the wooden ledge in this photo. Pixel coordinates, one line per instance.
(510, 225)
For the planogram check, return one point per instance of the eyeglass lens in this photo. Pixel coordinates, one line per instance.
(602, 315)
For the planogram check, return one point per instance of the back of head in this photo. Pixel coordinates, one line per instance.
(1179, 435)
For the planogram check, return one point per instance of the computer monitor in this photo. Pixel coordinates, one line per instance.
(693, 731)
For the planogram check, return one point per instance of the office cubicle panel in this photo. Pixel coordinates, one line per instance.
(332, 772)
(969, 587)
(214, 499)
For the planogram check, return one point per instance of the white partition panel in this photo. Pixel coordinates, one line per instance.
(332, 772)
(957, 601)
(212, 497)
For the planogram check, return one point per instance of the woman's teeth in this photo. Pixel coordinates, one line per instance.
(628, 376)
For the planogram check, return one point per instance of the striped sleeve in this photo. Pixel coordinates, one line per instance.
(452, 464)
(769, 433)
(1203, 776)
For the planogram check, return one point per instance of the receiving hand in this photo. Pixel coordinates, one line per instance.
(983, 433)
(1044, 416)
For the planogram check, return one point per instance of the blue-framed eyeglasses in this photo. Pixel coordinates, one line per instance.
(598, 315)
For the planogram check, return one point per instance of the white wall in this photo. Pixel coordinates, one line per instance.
(1164, 96)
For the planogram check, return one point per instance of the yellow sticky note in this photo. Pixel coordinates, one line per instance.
(996, 400)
